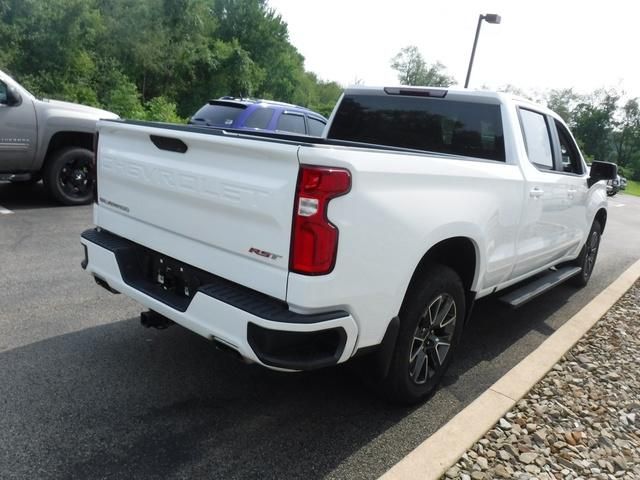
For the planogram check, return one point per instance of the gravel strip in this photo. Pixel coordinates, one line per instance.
(581, 421)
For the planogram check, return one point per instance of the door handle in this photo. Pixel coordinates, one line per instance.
(571, 192)
(536, 192)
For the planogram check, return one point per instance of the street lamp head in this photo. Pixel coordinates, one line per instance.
(492, 18)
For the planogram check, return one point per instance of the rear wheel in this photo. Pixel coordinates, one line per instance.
(67, 176)
(431, 324)
(587, 258)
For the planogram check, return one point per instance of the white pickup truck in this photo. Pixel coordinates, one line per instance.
(374, 240)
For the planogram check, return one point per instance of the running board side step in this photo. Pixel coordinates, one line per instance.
(531, 290)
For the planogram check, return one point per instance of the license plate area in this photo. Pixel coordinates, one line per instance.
(172, 276)
(161, 277)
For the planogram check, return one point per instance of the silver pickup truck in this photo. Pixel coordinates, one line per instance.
(48, 140)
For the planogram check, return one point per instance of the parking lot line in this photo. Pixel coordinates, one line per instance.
(5, 211)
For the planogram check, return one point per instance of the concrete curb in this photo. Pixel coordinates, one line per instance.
(432, 458)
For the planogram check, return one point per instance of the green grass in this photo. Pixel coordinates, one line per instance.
(633, 188)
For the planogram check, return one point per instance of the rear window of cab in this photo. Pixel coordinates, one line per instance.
(426, 124)
(219, 115)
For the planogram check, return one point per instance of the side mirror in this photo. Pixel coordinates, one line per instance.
(13, 97)
(602, 171)
(4, 93)
(9, 97)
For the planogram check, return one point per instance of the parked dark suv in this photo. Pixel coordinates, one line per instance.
(265, 115)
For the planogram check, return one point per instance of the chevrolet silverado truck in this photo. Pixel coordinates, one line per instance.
(48, 140)
(372, 241)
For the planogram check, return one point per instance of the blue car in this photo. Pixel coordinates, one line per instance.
(259, 115)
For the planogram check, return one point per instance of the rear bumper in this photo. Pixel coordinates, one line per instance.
(260, 328)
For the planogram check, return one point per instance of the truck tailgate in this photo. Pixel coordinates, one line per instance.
(224, 205)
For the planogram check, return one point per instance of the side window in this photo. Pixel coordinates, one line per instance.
(291, 122)
(3, 93)
(537, 138)
(316, 127)
(571, 162)
(260, 118)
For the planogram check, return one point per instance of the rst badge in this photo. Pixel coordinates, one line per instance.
(264, 253)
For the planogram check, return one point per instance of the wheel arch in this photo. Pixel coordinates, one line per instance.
(66, 139)
(459, 253)
(601, 217)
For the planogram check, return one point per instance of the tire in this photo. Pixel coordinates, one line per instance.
(431, 322)
(67, 176)
(587, 258)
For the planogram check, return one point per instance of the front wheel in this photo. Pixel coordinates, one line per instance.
(587, 258)
(431, 322)
(67, 176)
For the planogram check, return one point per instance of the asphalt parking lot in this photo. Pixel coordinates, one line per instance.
(86, 392)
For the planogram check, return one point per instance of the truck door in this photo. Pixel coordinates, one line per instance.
(574, 175)
(546, 233)
(18, 133)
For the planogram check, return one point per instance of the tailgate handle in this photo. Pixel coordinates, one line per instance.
(168, 143)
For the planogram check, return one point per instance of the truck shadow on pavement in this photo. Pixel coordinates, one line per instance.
(499, 327)
(22, 196)
(120, 401)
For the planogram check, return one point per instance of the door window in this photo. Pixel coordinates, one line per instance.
(289, 122)
(260, 118)
(571, 162)
(537, 138)
(316, 127)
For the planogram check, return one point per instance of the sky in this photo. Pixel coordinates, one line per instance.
(540, 44)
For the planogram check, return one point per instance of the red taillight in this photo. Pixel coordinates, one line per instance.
(314, 242)
(94, 167)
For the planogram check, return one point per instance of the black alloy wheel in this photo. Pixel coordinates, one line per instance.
(431, 323)
(68, 176)
(432, 338)
(588, 255)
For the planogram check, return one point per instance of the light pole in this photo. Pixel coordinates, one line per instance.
(490, 18)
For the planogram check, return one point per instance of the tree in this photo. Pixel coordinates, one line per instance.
(626, 136)
(318, 95)
(244, 76)
(160, 109)
(155, 58)
(414, 70)
(514, 90)
(263, 34)
(562, 101)
(593, 123)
